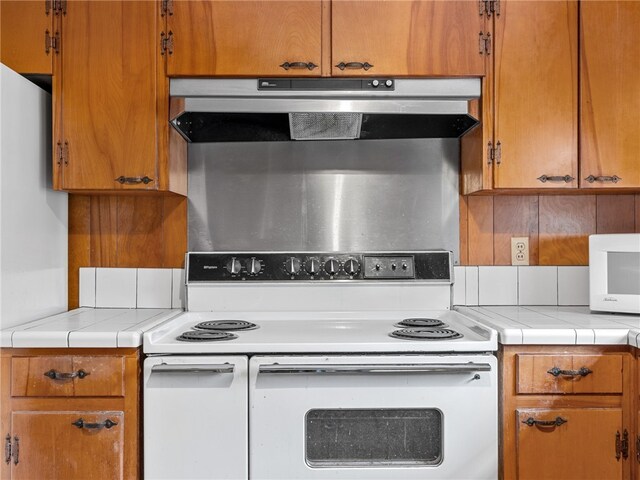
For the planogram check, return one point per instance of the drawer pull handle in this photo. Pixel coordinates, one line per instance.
(54, 375)
(80, 423)
(583, 372)
(354, 66)
(556, 178)
(603, 178)
(545, 423)
(133, 180)
(298, 65)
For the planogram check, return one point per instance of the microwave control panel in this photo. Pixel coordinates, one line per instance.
(318, 266)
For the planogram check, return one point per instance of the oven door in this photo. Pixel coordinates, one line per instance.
(195, 417)
(373, 417)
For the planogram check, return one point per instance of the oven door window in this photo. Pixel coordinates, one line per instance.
(374, 437)
(623, 276)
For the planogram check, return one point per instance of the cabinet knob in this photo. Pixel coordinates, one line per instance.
(354, 66)
(298, 65)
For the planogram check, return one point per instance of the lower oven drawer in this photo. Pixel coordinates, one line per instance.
(195, 417)
(352, 417)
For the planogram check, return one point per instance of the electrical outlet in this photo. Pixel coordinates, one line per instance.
(519, 250)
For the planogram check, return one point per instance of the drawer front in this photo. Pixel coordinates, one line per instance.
(568, 374)
(67, 376)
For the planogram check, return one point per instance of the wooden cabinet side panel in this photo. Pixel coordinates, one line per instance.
(246, 38)
(419, 37)
(109, 94)
(51, 447)
(536, 103)
(23, 25)
(610, 100)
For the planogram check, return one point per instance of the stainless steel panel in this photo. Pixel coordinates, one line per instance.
(378, 195)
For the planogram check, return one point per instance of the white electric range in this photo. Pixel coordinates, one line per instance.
(318, 366)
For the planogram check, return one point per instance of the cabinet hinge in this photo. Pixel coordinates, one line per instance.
(51, 42)
(11, 450)
(622, 445)
(638, 448)
(63, 153)
(48, 5)
(494, 154)
(166, 7)
(484, 43)
(494, 7)
(60, 7)
(166, 43)
(489, 7)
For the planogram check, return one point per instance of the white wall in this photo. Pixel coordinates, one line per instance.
(33, 218)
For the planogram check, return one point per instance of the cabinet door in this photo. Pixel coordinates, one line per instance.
(536, 94)
(610, 100)
(257, 38)
(23, 26)
(401, 37)
(51, 446)
(108, 99)
(581, 448)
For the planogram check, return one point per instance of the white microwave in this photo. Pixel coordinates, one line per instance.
(614, 273)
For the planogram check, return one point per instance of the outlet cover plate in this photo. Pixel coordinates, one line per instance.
(519, 250)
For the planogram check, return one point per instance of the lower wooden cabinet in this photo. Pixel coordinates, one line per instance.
(568, 412)
(70, 414)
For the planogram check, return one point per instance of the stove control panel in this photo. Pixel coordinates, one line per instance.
(316, 266)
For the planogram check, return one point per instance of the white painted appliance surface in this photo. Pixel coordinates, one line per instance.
(614, 273)
(195, 418)
(33, 218)
(460, 390)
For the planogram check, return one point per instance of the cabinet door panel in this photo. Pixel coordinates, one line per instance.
(536, 103)
(401, 37)
(610, 100)
(213, 37)
(51, 447)
(583, 448)
(109, 93)
(22, 36)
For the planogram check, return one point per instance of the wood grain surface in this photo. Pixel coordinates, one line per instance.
(558, 227)
(22, 31)
(610, 100)
(250, 38)
(536, 93)
(125, 231)
(407, 37)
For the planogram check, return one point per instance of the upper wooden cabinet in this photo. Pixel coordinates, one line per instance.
(111, 128)
(536, 95)
(401, 37)
(253, 38)
(28, 36)
(610, 100)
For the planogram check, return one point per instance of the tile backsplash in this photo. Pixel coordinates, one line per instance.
(132, 287)
(531, 285)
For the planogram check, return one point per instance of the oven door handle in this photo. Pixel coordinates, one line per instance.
(336, 369)
(193, 368)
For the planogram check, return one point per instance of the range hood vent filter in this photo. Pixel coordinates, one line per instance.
(325, 126)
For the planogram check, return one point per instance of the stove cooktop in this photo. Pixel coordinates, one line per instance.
(320, 332)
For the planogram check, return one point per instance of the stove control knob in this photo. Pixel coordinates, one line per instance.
(332, 266)
(292, 266)
(253, 266)
(375, 83)
(312, 266)
(233, 266)
(389, 83)
(351, 266)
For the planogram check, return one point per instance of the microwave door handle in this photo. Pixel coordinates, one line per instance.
(337, 369)
(193, 368)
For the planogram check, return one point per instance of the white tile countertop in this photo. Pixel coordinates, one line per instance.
(555, 325)
(87, 328)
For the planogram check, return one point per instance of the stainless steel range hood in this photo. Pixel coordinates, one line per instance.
(281, 109)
